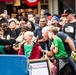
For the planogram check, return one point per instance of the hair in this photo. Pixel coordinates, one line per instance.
(4, 25)
(29, 33)
(56, 15)
(54, 30)
(33, 26)
(12, 21)
(23, 18)
(43, 17)
(45, 29)
(30, 14)
(25, 28)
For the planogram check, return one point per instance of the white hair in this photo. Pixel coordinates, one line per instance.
(45, 29)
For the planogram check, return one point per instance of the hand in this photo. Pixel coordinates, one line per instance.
(37, 38)
(45, 56)
(41, 40)
(50, 53)
(73, 55)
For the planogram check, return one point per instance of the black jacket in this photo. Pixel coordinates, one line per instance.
(7, 42)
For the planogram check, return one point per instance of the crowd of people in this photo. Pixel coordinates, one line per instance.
(47, 36)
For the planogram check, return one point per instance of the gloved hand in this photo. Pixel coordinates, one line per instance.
(73, 55)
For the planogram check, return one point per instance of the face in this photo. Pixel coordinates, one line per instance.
(68, 17)
(63, 21)
(50, 34)
(49, 23)
(12, 25)
(43, 22)
(4, 28)
(32, 19)
(54, 21)
(27, 38)
(30, 16)
(22, 23)
(45, 35)
(29, 25)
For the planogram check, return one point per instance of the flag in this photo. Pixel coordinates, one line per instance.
(31, 2)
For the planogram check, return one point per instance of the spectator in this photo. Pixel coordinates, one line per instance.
(30, 24)
(69, 44)
(22, 21)
(38, 32)
(42, 13)
(70, 28)
(30, 49)
(7, 33)
(20, 39)
(30, 15)
(57, 45)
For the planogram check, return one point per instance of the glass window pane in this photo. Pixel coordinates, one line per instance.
(44, 6)
(42, 1)
(46, 1)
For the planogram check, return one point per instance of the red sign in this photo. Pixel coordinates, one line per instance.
(31, 2)
(6, 0)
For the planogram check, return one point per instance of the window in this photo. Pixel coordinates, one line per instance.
(44, 4)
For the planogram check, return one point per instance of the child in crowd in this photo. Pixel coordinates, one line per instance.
(58, 49)
(57, 46)
(29, 48)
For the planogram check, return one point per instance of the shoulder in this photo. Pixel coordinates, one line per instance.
(17, 29)
(66, 24)
(36, 44)
(62, 35)
(37, 29)
(57, 38)
(22, 45)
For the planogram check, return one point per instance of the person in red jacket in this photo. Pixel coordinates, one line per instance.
(30, 49)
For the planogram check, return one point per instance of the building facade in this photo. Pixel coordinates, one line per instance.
(51, 6)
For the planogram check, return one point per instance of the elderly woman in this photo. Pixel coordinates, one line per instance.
(29, 48)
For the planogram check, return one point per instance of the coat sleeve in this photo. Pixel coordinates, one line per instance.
(7, 42)
(21, 51)
(35, 54)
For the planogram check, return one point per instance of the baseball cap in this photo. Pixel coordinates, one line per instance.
(56, 18)
(49, 17)
(67, 12)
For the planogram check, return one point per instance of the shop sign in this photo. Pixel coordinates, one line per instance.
(31, 2)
